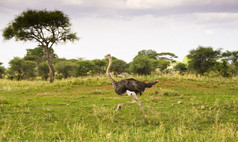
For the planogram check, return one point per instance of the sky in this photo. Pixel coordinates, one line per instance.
(124, 27)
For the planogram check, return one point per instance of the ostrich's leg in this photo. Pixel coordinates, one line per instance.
(136, 100)
(124, 104)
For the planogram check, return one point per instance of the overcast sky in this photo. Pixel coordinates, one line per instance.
(124, 27)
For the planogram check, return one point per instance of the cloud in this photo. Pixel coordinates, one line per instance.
(209, 32)
(159, 4)
(106, 8)
(133, 8)
(148, 4)
(217, 20)
(224, 16)
(73, 2)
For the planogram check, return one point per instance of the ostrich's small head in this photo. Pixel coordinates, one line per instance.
(108, 56)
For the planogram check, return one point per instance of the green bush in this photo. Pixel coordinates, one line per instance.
(142, 65)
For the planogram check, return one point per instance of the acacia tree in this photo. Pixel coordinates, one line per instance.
(45, 27)
(142, 65)
(203, 59)
(161, 60)
(149, 53)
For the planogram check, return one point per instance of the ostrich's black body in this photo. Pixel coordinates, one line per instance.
(131, 85)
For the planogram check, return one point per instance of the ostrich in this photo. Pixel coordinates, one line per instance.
(129, 86)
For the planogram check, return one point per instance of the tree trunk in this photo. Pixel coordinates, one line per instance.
(51, 70)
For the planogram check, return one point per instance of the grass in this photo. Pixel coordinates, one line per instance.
(83, 109)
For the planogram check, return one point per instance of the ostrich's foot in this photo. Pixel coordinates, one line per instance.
(118, 108)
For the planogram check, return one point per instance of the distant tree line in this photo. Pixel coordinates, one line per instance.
(34, 64)
(203, 61)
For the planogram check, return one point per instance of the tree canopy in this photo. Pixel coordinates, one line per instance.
(149, 53)
(45, 27)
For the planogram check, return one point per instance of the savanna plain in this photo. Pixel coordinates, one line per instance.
(179, 108)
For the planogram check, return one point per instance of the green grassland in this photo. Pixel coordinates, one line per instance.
(83, 109)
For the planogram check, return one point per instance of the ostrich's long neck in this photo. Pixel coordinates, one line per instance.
(108, 73)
